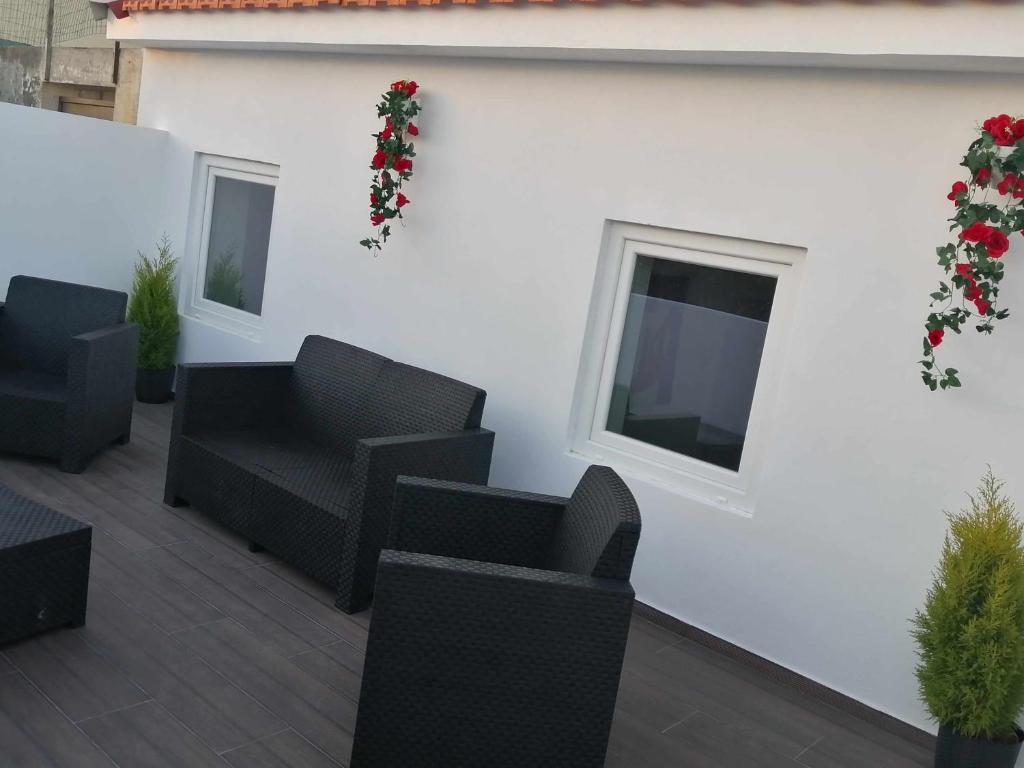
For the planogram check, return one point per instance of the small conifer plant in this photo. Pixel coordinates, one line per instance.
(154, 309)
(970, 632)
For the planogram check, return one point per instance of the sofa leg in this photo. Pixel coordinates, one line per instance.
(73, 465)
(175, 501)
(254, 547)
(76, 623)
(123, 439)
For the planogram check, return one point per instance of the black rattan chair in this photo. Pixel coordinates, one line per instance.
(301, 458)
(67, 370)
(499, 627)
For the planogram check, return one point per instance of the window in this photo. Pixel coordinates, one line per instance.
(231, 224)
(683, 338)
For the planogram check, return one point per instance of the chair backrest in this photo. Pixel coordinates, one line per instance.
(41, 317)
(599, 530)
(408, 400)
(331, 384)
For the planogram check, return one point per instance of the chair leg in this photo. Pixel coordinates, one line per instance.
(73, 465)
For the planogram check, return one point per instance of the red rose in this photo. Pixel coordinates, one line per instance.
(935, 337)
(982, 177)
(972, 292)
(380, 159)
(398, 85)
(997, 243)
(982, 306)
(958, 189)
(410, 88)
(1018, 129)
(373, 199)
(402, 164)
(387, 132)
(976, 233)
(1008, 184)
(1000, 127)
(401, 200)
(377, 219)
(412, 129)
(964, 270)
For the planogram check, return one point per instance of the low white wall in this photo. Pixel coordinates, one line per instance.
(78, 196)
(519, 166)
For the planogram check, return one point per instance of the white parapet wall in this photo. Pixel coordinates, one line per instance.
(519, 167)
(79, 197)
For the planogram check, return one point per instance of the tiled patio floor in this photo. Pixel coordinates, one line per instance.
(198, 653)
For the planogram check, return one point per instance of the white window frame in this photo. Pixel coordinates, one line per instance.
(589, 437)
(193, 303)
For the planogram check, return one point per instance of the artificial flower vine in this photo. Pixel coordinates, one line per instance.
(392, 164)
(989, 208)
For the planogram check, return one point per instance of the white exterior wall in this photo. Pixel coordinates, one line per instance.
(520, 164)
(79, 197)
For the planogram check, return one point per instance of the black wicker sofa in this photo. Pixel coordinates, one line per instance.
(499, 626)
(67, 370)
(301, 458)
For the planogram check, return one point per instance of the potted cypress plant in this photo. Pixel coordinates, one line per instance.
(971, 635)
(154, 309)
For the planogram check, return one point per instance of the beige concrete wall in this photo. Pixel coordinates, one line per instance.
(21, 74)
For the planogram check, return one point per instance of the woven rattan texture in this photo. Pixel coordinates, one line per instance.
(44, 567)
(302, 458)
(474, 523)
(599, 532)
(67, 370)
(479, 664)
(42, 316)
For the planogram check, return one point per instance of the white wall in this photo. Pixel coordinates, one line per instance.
(519, 166)
(78, 196)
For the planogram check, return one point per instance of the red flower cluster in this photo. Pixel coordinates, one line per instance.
(996, 243)
(995, 161)
(959, 188)
(1004, 129)
(1012, 185)
(391, 162)
(408, 87)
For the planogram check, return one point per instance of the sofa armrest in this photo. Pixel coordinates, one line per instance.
(378, 462)
(100, 391)
(460, 649)
(473, 522)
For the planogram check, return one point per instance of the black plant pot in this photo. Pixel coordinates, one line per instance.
(955, 751)
(154, 386)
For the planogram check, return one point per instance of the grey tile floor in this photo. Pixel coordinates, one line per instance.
(199, 653)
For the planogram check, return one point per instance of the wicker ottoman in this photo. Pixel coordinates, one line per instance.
(44, 568)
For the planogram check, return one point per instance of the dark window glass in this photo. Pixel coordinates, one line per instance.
(236, 261)
(691, 347)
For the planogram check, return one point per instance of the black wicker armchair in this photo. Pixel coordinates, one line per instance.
(499, 627)
(301, 458)
(67, 370)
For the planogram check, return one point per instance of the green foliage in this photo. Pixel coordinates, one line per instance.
(971, 631)
(154, 309)
(224, 283)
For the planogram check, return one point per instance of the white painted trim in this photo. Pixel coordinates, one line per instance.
(952, 36)
(193, 304)
(623, 243)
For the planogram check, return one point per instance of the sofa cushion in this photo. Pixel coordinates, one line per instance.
(406, 401)
(41, 317)
(32, 409)
(330, 385)
(288, 460)
(32, 385)
(598, 533)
